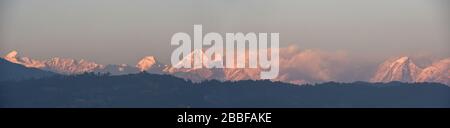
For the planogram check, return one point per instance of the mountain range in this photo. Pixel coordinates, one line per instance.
(28, 87)
(71, 66)
(394, 69)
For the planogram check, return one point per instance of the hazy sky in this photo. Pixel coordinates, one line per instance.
(123, 31)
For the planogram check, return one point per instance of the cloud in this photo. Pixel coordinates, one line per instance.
(300, 66)
(310, 65)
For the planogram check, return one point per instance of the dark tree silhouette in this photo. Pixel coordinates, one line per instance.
(150, 90)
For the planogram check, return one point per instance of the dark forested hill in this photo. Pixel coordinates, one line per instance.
(12, 71)
(148, 90)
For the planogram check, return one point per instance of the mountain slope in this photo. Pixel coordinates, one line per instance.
(12, 71)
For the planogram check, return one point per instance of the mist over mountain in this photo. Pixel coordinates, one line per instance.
(122, 69)
(154, 91)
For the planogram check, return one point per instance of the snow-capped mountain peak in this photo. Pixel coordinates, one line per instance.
(190, 59)
(437, 72)
(403, 69)
(71, 66)
(397, 69)
(11, 56)
(14, 57)
(56, 64)
(146, 63)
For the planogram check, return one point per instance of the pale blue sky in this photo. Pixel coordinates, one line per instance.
(123, 31)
